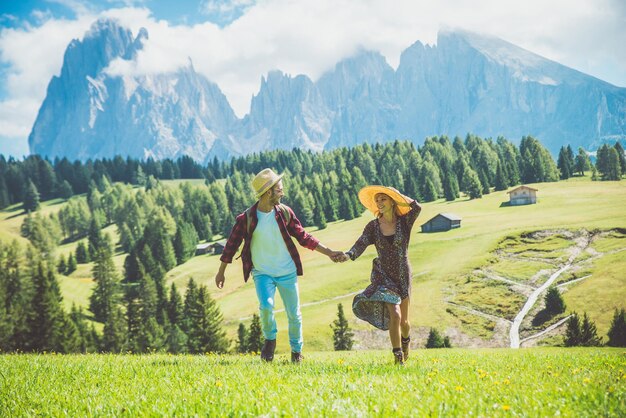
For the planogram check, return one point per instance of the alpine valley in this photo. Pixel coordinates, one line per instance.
(466, 83)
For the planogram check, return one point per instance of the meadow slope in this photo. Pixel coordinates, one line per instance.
(441, 263)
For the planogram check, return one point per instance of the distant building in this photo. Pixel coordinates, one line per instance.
(442, 222)
(203, 248)
(218, 247)
(522, 195)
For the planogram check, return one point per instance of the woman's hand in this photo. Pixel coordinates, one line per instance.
(341, 257)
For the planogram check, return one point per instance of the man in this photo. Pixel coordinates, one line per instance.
(272, 258)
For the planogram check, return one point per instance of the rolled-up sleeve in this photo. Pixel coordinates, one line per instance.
(297, 231)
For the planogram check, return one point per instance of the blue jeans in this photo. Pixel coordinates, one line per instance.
(288, 288)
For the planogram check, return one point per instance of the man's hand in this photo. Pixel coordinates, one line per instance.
(219, 279)
(338, 256)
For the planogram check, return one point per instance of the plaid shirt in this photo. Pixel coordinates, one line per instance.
(239, 233)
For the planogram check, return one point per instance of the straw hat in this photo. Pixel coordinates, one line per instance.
(367, 194)
(264, 181)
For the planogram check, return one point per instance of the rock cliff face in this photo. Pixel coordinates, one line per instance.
(466, 83)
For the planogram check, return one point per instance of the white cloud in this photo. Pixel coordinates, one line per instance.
(310, 36)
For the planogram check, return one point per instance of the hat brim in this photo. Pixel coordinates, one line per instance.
(367, 194)
(269, 185)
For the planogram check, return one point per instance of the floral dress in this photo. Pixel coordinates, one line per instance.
(391, 271)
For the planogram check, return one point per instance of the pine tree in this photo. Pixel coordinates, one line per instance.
(573, 332)
(255, 336)
(501, 180)
(617, 331)
(87, 341)
(192, 315)
(82, 255)
(242, 337)
(45, 313)
(434, 339)
(320, 219)
(569, 153)
(602, 160)
(176, 339)
(588, 333)
(213, 337)
(114, 339)
(563, 164)
(31, 198)
(582, 162)
(621, 157)
(65, 190)
(4, 193)
(175, 306)
(106, 292)
(450, 186)
(430, 192)
(471, 184)
(185, 242)
(61, 266)
(96, 239)
(342, 334)
(71, 264)
(614, 170)
(69, 339)
(554, 301)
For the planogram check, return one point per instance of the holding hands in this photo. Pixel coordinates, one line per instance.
(339, 256)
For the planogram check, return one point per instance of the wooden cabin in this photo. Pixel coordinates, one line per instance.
(442, 222)
(522, 195)
(204, 248)
(218, 247)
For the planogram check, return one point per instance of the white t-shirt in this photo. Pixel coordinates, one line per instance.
(269, 252)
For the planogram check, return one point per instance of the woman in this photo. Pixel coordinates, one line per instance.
(385, 303)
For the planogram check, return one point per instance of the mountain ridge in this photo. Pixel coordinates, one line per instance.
(465, 83)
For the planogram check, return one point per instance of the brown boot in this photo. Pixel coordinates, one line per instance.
(267, 352)
(406, 347)
(398, 356)
(296, 357)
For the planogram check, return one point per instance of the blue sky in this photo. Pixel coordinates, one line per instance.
(235, 43)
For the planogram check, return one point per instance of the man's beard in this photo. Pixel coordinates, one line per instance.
(275, 200)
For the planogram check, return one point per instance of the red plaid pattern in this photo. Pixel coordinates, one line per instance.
(239, 233)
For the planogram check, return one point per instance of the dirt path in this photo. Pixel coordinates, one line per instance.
(550, 328)
(581, 244)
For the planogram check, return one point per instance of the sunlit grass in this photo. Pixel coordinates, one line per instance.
(446, 382)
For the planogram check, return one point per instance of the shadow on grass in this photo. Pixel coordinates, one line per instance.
(541, 318)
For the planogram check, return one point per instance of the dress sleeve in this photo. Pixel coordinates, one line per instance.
(412, 215)
(365, 240)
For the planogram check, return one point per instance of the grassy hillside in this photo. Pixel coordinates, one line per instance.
(447, 382)
(441, 264)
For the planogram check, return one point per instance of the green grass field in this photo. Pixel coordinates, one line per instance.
(441, 263)
(586, 382)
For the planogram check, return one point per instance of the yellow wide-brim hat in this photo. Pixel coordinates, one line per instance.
(264, 181)
(367, 194)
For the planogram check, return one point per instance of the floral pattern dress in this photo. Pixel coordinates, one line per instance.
(391, 271)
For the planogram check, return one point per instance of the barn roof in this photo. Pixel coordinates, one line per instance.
(450, 216)
(522, 187)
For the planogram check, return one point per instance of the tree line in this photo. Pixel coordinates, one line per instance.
(477, 164)
(159, 225)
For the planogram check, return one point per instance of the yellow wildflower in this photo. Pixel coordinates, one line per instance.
(506, 407)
